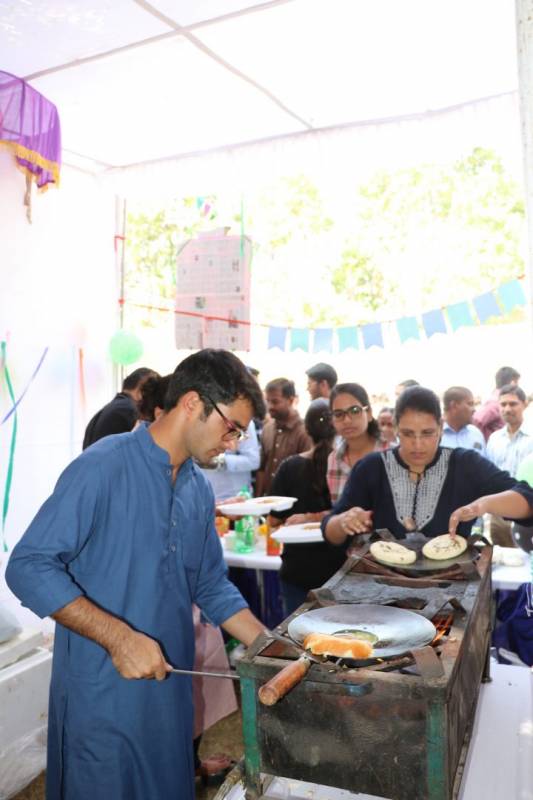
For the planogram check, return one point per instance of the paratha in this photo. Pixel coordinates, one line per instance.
(392, 553)
(444, 547)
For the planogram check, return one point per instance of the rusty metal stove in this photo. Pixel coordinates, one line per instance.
(397, 728)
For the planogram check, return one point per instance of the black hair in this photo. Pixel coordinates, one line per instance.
(216, 375)
(408, 383)
(322, 372)
(418, 398)
(153, 393)
(386, 410)
(360, 393)
(512, 388)
(506, 375)
(454, 395)
(136, 377)
(320, 428)
(285, 386)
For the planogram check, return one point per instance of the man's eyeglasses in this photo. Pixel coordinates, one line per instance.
(234, 433)
(352, 412)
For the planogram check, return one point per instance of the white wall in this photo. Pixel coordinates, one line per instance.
(58, 290)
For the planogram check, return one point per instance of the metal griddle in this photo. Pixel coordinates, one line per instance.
(422, 565)
(398, 631)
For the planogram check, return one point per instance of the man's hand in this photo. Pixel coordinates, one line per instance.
(356, 520)
(135, 655)
(465, 514)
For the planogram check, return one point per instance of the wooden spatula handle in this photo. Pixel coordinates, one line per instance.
(278, 686)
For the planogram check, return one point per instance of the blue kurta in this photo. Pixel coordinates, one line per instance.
(117, 531)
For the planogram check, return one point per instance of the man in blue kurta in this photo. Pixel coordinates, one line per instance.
(117, 556)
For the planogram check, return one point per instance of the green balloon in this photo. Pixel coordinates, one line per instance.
(525, 470)
(125, 348)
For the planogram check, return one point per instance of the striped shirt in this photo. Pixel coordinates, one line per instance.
(338, 470)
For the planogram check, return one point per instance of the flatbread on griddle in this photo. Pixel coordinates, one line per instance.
(392, 553)
(444, 547)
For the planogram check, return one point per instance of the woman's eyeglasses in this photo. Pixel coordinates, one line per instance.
(412, 436)
(234, 433)
(352, 412)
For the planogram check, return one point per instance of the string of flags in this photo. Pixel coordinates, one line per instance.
(448, 319)
(465, 314)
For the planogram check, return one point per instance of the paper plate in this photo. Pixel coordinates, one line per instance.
(257, 506)
(299, 534)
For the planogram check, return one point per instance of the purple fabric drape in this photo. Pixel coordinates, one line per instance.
(29, 125)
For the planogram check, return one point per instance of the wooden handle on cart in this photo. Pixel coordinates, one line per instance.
(278, 686)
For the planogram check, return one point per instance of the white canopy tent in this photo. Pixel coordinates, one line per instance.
(138, 81)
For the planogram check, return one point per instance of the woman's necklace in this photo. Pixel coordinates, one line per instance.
(410, 523)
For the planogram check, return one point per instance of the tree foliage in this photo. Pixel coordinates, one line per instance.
(432, 235)
(401, 243)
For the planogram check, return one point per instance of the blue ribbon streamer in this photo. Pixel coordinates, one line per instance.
(17, 402)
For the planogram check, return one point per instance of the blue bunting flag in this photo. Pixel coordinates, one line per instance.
(407, 328)
(460, 315)
(323, 340)
(433, 322)
(348, 337)
(372, 334)
(277, 337)
(486, 306)
(299, 339)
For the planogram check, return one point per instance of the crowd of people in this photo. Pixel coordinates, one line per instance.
(125, 551)
(313, 458)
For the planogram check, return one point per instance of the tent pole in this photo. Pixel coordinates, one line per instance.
(120, 262)
(524, 31)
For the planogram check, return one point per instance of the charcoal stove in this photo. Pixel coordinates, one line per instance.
(395, 728)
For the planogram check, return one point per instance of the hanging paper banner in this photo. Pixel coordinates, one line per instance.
(511, 295)
(407, 328)
(460, 316)
(433, 322)
(323, 340)
(372, 335)
(276, 338)
(486, 306)
(348, 338)
(299, 339)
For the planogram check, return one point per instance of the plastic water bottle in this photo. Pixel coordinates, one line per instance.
(245, 528)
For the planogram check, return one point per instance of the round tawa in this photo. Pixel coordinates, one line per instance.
(392, 631)
(426, 566)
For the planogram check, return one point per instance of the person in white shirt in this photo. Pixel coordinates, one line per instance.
(507, 448)
(457, 431)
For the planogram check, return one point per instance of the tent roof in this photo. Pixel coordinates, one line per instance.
(136, 81)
